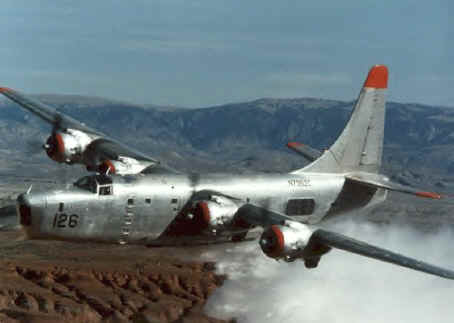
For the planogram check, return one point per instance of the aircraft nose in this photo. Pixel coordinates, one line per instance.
(24, 211)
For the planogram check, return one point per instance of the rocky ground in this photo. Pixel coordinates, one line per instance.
(52, 281)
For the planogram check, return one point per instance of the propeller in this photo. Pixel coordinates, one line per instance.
(57, 124)
(54, 142)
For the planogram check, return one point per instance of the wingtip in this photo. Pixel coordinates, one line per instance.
(377, 77)
(429, 195)
(4, 89)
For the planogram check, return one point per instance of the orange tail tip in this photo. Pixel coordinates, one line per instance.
(377, 78)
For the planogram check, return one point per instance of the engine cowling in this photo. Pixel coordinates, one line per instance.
(68, 146)
(215, 214)
(122, 166)
(287, 241)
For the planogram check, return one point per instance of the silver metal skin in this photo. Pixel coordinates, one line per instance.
(151, 202)
(145, 202)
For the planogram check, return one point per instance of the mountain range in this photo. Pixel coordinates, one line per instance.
(237, 137)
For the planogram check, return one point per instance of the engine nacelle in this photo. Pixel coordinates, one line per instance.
(122, 166)
(215, 214)
(68, 146)
(287, 241)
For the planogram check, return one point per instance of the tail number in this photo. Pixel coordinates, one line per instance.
(63, 220)
(300, 182)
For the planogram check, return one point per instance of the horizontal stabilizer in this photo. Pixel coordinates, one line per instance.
(381, 181)
(307, 152)
(339, 241)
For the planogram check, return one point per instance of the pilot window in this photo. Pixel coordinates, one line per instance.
(300, 207)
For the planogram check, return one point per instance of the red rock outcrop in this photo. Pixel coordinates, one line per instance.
(51, 281)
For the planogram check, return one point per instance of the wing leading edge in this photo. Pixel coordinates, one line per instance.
(45, 112)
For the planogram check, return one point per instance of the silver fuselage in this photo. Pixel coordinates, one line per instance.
(139, 208)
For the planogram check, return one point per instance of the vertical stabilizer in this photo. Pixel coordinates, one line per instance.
(360, 145)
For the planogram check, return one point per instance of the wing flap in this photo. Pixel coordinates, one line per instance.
(111, 149)
(380, 181)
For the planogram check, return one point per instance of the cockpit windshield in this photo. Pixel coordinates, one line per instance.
(87, 183)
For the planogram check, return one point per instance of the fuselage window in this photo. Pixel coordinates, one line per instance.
(105, 190)
(148, 200)
(130, 201)
(300, 207)
(60, 207)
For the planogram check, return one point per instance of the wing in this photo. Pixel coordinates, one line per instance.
(284, 238)
(74, 142)
(340, 241)
(45, 112)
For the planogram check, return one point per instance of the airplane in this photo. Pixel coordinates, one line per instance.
(132, 198)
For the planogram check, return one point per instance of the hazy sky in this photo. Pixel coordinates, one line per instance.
(207, 52)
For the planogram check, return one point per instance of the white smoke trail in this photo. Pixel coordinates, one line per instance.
(344, 288)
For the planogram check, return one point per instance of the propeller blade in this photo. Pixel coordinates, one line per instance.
(33, 147)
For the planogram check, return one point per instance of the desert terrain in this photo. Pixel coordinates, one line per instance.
(52, 281)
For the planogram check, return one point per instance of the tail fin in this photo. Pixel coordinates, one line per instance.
(360, 145)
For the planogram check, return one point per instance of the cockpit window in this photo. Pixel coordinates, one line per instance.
(91, 183)
(87, 183)
(103, 179)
